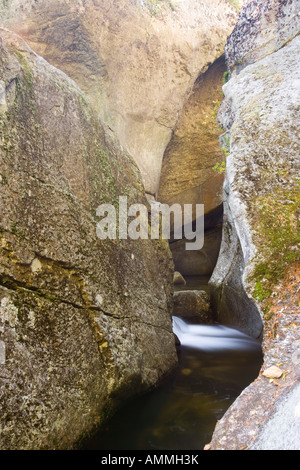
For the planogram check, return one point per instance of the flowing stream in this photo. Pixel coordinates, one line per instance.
(215, 364)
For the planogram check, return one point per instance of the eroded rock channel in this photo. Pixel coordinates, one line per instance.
(176, 102)
(215, 364)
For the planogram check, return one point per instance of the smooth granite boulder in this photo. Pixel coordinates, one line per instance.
(85, 323)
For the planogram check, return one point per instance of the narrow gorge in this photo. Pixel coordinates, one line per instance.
(162, 103)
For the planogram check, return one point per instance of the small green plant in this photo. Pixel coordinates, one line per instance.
(236, 3)
(226, 77)
(226, 140)
(220, 167)
(156, 7)
(173, 4)
(3, 179)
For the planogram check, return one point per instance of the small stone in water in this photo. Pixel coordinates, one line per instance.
(186, 371)
(178, 278)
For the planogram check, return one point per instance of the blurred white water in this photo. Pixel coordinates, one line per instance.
(212, 337)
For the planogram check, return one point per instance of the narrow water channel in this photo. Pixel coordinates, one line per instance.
(215, 364)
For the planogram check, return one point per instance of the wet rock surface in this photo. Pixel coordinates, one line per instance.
(198, 262)
(203, 261)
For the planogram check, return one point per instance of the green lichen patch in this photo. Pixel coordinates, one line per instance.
(26, 68)
(277, 227)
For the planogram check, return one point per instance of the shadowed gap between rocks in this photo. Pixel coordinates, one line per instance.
(190, 175)
(193, 270)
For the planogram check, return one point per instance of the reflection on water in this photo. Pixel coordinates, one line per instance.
(215, 364)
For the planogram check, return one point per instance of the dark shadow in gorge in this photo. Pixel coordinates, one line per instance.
(182, 413)
(214, 367)
(201, 262)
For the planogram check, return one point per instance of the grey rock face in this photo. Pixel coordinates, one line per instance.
(259, 256)
(282, 431)
(263, 27)
(84, 323)
(229, 297)
(263, 158)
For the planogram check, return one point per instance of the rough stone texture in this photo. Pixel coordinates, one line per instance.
(263, 28)
(286, 419)
(193, 303)
(262, 170)
(84, 323)
(261, 112)
(246, 423)
(137, 60)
